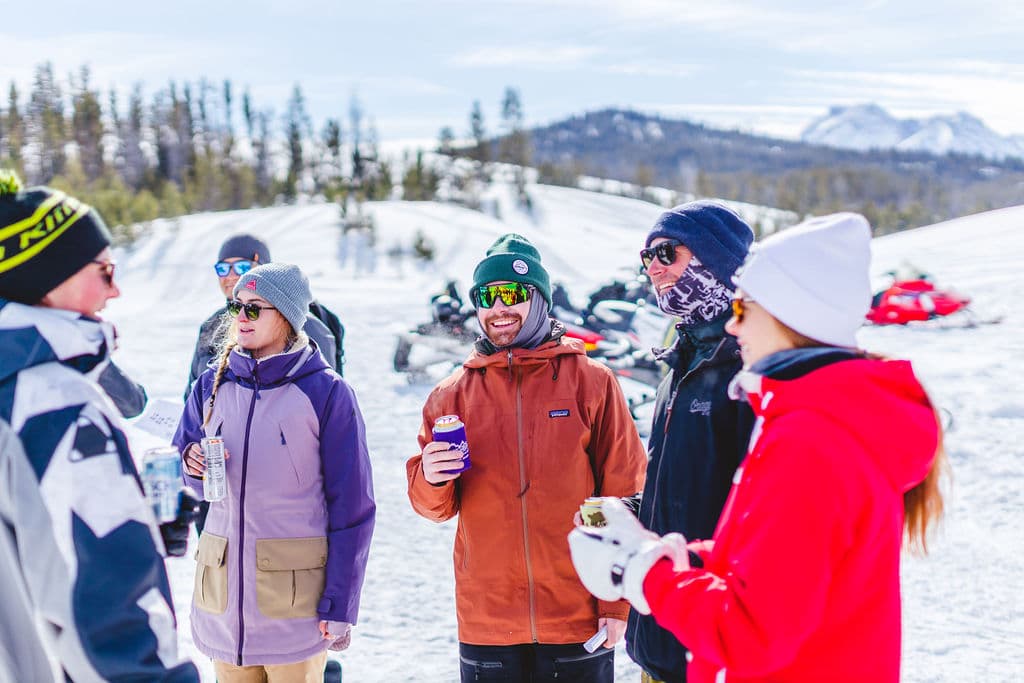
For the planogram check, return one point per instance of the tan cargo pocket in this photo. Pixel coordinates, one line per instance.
(290, 574)
(211, 589)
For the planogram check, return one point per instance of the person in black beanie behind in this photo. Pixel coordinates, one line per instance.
(79, 545)
(698, 435)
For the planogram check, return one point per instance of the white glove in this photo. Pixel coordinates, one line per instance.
(338, 632)
(612, 561)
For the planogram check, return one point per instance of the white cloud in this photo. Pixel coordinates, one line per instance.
(535, 56)
(654, 68)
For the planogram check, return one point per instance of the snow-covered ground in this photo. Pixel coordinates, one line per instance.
(963, 614)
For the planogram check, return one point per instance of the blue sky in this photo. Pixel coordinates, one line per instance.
(417, 66)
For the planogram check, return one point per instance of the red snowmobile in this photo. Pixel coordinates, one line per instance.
(913, 300)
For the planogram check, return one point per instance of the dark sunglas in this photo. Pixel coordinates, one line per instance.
(224, 268)
(665, 252)
(252, 311)
(511, 293)
(739, 308)
(107, 271)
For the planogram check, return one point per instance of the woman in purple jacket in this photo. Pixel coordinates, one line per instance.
(281, 561)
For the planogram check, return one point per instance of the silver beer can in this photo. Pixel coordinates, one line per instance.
(215, 482)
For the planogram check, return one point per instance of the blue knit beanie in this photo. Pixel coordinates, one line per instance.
(512, 258)
(717, 237)
(283, 286)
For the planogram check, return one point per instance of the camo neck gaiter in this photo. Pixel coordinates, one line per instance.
(697, 296)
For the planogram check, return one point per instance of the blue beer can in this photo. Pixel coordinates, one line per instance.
(449, 429)
(161, 481)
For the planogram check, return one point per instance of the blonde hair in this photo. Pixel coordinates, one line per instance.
(923, 505)
(226, 339)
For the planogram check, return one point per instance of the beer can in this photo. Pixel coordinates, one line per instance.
(215, 482)
(449, 428)
(591, 513)
(161, 481)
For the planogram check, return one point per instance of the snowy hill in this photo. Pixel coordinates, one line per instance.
(868, 126)
(964, 618)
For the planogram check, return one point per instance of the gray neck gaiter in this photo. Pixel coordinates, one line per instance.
(537, 325)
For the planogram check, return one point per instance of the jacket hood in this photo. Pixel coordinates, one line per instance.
(561, 346)
(880, 402)
(34, 335)
(278, 369)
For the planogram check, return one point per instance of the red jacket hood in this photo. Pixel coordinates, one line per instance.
(880, 402)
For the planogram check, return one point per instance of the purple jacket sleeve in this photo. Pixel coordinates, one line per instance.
(190, 428)
(348, 489)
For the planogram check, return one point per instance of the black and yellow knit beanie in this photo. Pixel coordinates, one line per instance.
(45, 238)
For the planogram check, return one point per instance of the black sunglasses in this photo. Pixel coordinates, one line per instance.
(224, 268)
(665, 252)
(107, 271)
(252, 311)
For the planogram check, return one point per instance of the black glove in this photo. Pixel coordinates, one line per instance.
(175, 534)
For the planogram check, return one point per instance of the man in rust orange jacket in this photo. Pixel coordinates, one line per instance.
(546, 427)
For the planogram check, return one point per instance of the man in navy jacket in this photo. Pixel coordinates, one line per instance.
(699, 435)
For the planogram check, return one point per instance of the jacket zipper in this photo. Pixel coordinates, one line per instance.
(668, 420)
(241, 515)
(522, 499)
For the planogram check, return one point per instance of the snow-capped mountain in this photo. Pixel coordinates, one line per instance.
(868, 126)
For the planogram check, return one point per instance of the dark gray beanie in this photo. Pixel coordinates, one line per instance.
(245, 246)
(283, 286)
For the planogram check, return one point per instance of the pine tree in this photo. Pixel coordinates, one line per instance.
(481, 151)
(446, 141)
(297, 124)
(14, 133)
(45, 127)
(87, 127)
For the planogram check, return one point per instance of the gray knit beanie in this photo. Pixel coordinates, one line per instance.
(283, 286)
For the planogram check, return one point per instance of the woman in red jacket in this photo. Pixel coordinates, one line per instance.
(802, 579)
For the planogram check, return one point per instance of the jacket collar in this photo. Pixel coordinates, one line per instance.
(277, 369)
(783, 366)
(507, 358)
(34, 335)
(706, 341)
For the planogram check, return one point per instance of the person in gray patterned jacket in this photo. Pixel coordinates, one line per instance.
(84, 594)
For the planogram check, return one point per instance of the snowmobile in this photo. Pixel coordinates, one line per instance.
(621, 334)
(912, 297)
(433, 349)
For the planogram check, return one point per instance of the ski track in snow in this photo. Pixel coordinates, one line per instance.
(963, 615)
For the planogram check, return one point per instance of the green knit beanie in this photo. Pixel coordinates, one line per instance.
(513, 259)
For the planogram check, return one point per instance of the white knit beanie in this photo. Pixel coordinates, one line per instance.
(814, 277)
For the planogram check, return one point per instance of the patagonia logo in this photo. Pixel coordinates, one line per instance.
(559, 413)
(702, 407)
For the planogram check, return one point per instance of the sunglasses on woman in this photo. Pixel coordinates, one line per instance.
(739, 308)
(665, 252)
(107, 271)
(224, 268)
(510, 293)
(252, 311)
